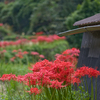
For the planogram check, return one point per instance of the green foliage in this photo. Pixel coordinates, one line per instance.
(4, 32)
(78, 1)
(36, 15)
(75, 40)
(10, 37)
(13, 68)
(16, 91)
(78, 95)
(15, 37)
(86, 9)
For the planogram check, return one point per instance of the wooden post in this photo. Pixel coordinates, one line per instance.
(90, 56)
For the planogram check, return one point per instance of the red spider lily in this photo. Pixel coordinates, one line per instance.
(34, 53)
(73, 52)
(12, 59)
(20, 50)
(25, 52)
(86, 71)
(41, 56)
(4, 51)
(19, 55)
(44, 64)
(93, 72)
(41, 38)
(56, 37)
(1, 24)
(48, 40)
(34, 41)
(35, 91)
(8, 77)
(28, 79)
(56, 84)
(21, 78)
(39, 33)
(62, 71)
(69, 55)
(76, 80)
(14, 51)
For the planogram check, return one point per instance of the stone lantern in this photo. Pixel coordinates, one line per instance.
(90, 46)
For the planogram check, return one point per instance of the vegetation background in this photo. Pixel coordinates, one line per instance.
(50, 16)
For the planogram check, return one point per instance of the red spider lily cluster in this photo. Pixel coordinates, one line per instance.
(13, 43)
(20, 54)
(55, 74)
(70, 55)
(34, 90)
(49, 38)
(90, 72)
(1, 24)
(38, 39)
(34, 53)
(39, 33)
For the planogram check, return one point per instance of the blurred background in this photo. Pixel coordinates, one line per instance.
(25, 17)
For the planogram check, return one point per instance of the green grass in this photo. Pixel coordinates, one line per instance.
(16, 69)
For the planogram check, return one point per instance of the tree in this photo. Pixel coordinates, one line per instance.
(86, 9)
(37, 15)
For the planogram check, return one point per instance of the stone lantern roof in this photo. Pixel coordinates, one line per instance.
(93, 20)
(86, 25)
